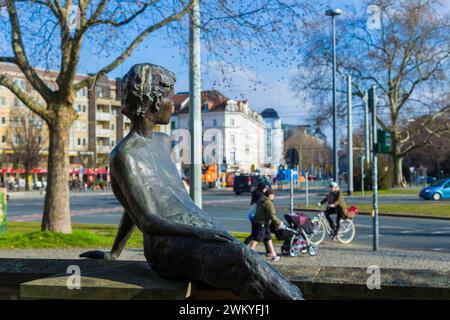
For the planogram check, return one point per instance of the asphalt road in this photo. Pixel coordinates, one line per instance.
(231, 211)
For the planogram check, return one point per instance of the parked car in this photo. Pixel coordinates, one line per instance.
(247, 183)
(437, 191)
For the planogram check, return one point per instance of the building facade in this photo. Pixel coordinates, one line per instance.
(274, 138)
(240, 128)
(99, 127)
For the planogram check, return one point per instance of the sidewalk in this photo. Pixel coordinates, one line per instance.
(37, 194)
(330, 255)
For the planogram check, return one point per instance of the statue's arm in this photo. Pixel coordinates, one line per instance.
(126, 228)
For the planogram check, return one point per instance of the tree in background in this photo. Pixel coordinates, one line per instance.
(403, 49)
(430, 145)
(26, 140)
(58, 35)
(313, 152)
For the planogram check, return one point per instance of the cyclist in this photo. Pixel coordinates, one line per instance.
(335, 204)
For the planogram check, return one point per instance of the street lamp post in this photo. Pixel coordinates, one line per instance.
(195, 121)
(333, 13)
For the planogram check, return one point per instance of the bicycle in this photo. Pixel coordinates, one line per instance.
(321, 228)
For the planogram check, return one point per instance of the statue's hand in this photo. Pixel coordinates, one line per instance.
(98, 255)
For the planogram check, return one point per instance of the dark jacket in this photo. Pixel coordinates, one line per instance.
(265, 212)
(336, 198)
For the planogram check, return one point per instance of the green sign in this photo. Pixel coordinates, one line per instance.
(3, 206)
(384, 144)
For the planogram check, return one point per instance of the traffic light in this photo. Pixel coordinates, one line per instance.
(384, 144)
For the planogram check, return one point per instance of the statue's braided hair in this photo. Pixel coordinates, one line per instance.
(142, 86)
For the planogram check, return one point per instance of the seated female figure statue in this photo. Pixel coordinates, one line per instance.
(181, 241)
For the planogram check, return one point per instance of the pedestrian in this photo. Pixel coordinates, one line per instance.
(335, 204)
(265, 215)
(256, 195)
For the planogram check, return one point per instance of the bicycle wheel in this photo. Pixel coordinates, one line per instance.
(318, 234)
(346, 231)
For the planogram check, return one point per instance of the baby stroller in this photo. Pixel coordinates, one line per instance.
(294, 235)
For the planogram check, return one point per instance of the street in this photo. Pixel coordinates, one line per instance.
(231, 211)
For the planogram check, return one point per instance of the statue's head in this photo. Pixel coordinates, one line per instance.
(147, 91)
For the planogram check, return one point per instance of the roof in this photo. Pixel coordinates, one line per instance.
(215, 100)
(270, 113)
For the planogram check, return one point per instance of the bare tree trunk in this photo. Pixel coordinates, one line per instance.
(56, 206)
(398, 171)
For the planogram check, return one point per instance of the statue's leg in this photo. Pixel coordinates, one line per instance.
(228, 265)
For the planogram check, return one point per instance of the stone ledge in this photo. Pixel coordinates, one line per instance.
(46, 279)
(128, 281)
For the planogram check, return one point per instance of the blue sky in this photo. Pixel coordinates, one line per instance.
(272, 90)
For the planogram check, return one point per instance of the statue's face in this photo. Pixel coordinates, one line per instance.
(165, 108)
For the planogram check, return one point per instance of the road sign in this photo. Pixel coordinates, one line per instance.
(292, 158)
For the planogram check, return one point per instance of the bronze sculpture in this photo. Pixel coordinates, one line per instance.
(181, 241)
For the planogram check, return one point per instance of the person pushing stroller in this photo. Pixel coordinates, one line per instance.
(265, 215)
(335, 204)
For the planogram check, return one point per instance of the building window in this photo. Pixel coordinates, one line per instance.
(3, 101)
(214, 122)
(20, 83)
(232, 139)
(112, 143)
(213, 138)
(84, 141)
(3, 120)
(79, 141)
(3, 139)
(112, 126)
(232, 122)
(84, 108)
(81, 93)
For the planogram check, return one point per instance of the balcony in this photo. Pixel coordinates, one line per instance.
(100, 132)
(103, 116)
(104, 149)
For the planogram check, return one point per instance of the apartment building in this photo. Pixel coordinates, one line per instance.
(241, 128)
(100, 124)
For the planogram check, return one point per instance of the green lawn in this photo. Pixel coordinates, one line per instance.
(28, 235)
(394, 191)
(427, 208)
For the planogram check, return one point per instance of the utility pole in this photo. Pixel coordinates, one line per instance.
(362, 172)
(350, 136)
(366, 126)
(333, 13)
(373, 107)
(195, 121)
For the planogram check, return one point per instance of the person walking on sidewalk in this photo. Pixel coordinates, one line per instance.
(265, 215)
(257, 194)
(335, 204)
